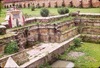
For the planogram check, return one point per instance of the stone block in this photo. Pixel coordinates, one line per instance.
(76, 3)
(85, 3)
(44, 38)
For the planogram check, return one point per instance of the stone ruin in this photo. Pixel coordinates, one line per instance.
(14, 17)
(47, 32)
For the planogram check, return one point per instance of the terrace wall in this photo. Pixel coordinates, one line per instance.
(91, 30)
(43, 33)
(51, 33)
(59, 32)
(91, 38)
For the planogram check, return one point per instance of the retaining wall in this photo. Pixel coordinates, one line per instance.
(91, 30)
(28, 35)
(91, 38)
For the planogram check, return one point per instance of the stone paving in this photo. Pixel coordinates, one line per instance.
(75, 54)
(41, 49)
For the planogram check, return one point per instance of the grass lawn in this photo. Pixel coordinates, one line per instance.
(53, 11)
(91, 59)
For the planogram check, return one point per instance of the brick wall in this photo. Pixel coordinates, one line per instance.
(74, 3)
(85, 3)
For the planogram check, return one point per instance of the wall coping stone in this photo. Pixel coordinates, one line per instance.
(51, 17)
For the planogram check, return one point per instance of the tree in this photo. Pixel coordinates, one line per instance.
(44, 12)
(77, 42)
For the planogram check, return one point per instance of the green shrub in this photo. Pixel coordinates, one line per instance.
(66, 10)
(33, 8)
(63, 10)
(44, 12)
(11, 48)
(1, 55)
(46, 65)
(2, 33)
(77, 42)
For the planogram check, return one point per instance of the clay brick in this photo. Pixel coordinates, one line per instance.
(85, 3)
(76, 3)
(96, 3)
